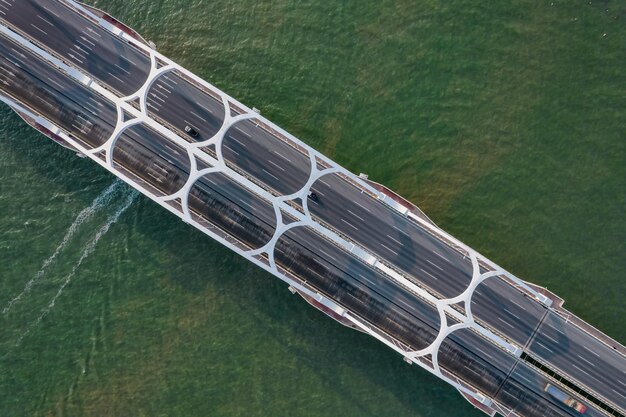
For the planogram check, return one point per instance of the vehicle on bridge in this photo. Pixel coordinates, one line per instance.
(565, 398)
(191, 131)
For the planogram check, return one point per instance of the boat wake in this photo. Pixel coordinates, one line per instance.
(88, 250)
(87, 213)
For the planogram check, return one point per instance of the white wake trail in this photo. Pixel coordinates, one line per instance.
(89, 248)
(100, 201)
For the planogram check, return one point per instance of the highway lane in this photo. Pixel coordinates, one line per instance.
(587, 361)
(193, 107)
(273, 162)
(246, 146)
(403, 244)
(497, 305)
(525, 393)
(85, 114)
(79, 42)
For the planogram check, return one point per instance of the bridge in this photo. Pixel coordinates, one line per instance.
(350, 247)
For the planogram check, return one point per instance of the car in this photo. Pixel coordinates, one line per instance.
(191, 131)
(312, 196)
(565, 398)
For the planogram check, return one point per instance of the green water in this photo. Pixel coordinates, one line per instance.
(505, 121)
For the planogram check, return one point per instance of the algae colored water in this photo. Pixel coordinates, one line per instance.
(504, 120)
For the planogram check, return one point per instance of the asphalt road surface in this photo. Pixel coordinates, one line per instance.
(80, 43)
(583, 358)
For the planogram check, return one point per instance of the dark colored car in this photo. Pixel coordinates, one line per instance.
(191, 131)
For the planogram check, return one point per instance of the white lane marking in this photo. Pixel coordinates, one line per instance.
(326, 254)
(242, 132)
(158, 179)
(276, 165)
(127, 60)
(399, 230)
(554, 328)
(591, 351)
(548, 337)
(271, 175)
(123, 69)
(87, 40)
(441, 256)
(74, 58)
(166, 77)
(39, 29)
(512, 327)
(585, 360)
(230, 149)
(362, 206)
(388, 248)
(92, 30)
(435, 265)
(81, 50)
(620, 381)
(91, 36)
(78, 50)
(157, 97)
(511, 314)
(45, 20)
(618, 393)
(154, 107)
(577, 367)
(12, 61)
(205, 108)
(198, 116)
(236, 140)
(3, 12)
(117, 78)
(160, 85)
(325, 183)
(314, 271)
(355, 215)
(517, 304)
(82, 45)
(478, 292)
(50, 10)
(395, 240)
(429, 274)
(350, 224)
(282, 156)
(248, 204)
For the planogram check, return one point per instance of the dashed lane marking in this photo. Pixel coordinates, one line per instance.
(512, 327)
(585, 360)
(350, 224)
(429, 274)
(230, 149)
(435, 265)
(39, 29)
(591, 351)
(282, 156)
(276, 165)
(270, 174)
(45, 20)
(388, 248)
(355, 215)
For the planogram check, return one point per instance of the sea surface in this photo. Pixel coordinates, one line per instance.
(505, 121)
